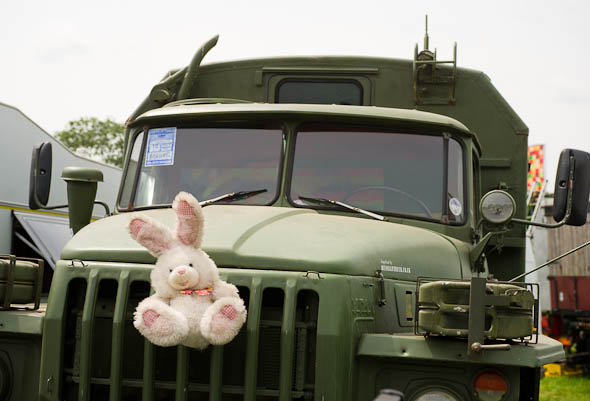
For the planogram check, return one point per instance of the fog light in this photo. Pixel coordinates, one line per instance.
(497, 207)
(435, 395)
(490, 386)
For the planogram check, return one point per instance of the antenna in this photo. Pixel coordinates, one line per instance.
(425, 62)
(426, 34)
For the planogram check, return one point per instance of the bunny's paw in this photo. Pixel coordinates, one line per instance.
(222, 320)
(159, 323)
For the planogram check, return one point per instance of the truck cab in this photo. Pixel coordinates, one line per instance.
(358, 180)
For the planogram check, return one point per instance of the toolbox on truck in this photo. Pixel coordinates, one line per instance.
(443, 308)
(21, 280)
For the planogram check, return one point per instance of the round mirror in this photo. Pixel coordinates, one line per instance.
(497, 207)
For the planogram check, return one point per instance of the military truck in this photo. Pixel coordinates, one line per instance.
(344, 197)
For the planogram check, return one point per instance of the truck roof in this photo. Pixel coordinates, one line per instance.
(216, 107)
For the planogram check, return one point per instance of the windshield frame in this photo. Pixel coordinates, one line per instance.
(245, 124)
(392, 130)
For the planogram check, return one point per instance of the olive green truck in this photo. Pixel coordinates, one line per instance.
(370, 212)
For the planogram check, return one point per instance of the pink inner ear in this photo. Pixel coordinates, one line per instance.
(136, 225)
(185, 209)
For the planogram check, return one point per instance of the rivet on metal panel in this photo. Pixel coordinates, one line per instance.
(73, 263)
(313, 272)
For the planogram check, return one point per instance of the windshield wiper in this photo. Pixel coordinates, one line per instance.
(342, 204)
(232, 196)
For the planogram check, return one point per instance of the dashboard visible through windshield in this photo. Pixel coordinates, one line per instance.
(207, 162)
(387, 172)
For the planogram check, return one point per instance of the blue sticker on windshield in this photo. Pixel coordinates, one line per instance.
(161, 145)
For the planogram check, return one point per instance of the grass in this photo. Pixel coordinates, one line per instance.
(565, 388)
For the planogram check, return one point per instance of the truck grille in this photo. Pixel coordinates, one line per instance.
(105, 358)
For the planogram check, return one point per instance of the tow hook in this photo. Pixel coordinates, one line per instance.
(382, 300)
(80, 261)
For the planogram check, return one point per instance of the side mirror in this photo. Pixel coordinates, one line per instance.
(578, 162)
(40, 176)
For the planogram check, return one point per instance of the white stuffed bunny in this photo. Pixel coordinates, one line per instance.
(191, 305)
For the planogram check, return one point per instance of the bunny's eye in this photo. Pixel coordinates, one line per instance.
(170, 270)
(190, 264)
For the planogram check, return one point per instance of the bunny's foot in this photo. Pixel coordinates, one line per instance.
(159, 323)
(222, 320)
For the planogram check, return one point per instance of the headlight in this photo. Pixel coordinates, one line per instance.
(436, 395)
(497, 207)
(490, 386)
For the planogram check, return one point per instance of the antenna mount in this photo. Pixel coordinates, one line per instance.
(429, 76)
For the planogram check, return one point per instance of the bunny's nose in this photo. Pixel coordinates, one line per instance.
(181, 271)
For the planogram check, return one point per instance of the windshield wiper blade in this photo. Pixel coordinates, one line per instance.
(232, 196)
(342, 204)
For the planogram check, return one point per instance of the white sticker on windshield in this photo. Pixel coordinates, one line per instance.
(455, 206)
(161, 144)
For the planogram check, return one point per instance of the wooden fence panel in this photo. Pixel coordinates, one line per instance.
(561, 240)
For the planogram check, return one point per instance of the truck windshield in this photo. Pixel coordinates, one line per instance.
(396, 173)
(207, 162)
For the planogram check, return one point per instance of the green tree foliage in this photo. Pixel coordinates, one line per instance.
(96, 139)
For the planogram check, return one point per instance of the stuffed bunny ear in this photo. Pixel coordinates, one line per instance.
(189, 219)
(156, 237)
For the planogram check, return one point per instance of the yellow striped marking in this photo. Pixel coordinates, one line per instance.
(22, 209)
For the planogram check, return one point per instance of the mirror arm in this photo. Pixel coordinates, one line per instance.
(570, 201)
(54, 207)
(107, 210)
(106, 207)
(545, 225)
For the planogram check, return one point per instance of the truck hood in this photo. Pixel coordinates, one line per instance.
(277, 238)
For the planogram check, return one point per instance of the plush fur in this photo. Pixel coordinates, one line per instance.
(212, 312)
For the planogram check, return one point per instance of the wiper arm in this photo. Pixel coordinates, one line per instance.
(232, 196)
(342, 204)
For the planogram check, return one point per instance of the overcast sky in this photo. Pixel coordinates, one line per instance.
(62, 60)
